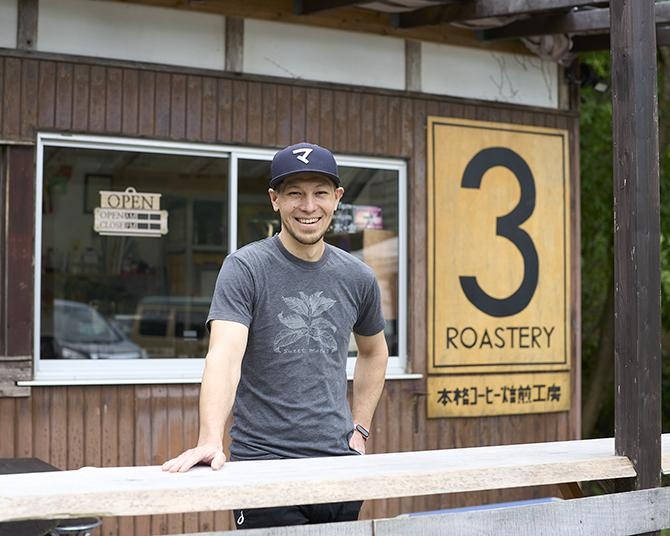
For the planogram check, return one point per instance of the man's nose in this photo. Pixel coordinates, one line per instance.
(308, 203)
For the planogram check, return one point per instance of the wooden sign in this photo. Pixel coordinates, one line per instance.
(468, 395)
(498, 256)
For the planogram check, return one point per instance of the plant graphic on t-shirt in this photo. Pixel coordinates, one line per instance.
(304, 321)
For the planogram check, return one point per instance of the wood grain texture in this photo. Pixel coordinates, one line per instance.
(148, 490)
(637, 264)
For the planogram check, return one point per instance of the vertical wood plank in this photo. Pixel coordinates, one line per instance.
(234, 44)
(190, 430)
(159, 443)
(239, 111)
(269, 116)
(340, 133)
(209, 111)
(326, 120)
(224, 127)
(254, 113)
(20, 230)
(12, 98)
(98, 96)
(406, 130)
(393, 433)
(41, 400)
(130, 111)
(8, 426)
(175, 442)
(193, 108)
(110, 441)
(163, 100)
(92, 426)
(46, 105)
(75, 427)
(114, 104)
(58, 419)
(143, 445)
(80, 97)
(394, 126)
(312, 116)
(283, 116)
(298, 113)
(64, 86)
(146, 103)
(381, 125)
(26, 37)
(24, 428)
(126, 447)
(353, 122)
(367, 120)
(29, 86)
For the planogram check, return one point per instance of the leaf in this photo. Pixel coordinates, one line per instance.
(324, 338)
(318, 304)
(286, 337)
(322, 323)
(292, 320)
(297, 305)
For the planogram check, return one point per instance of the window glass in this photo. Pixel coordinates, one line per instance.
(128, 295)
(365, 225)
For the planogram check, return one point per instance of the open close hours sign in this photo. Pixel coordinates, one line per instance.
(498, 263)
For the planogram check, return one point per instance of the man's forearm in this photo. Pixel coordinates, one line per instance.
(369, 377)
(217, 395)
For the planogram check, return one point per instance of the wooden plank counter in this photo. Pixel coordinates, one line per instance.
(147, 490)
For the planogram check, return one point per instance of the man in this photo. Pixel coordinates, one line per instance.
(280, 322)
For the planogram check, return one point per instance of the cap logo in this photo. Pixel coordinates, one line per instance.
(304, 153)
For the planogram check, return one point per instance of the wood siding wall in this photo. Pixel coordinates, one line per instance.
(139, 425)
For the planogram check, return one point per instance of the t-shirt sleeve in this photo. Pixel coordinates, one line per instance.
(233, 297)
(370, 319)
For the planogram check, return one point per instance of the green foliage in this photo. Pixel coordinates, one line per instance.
(597, 227)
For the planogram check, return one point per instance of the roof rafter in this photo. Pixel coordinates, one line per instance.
(483, 9)
(591, 43)
(591, 21)
(307, 7)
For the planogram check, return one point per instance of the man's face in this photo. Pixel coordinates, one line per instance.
(306, 203)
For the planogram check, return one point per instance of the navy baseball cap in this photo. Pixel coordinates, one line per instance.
(300, 158)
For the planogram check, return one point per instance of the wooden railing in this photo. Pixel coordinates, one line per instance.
(147, 490)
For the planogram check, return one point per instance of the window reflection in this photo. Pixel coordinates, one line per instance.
(129, 297)
(366, 225)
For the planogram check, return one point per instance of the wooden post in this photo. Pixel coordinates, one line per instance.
(637, 307)
(26, 35)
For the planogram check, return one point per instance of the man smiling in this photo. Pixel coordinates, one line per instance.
(281, 318)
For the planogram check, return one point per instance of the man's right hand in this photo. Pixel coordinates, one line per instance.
(209, 454)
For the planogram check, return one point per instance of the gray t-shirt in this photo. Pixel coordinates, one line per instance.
(291, 401)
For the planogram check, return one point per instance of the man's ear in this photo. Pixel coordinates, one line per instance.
(339, 192)
(274, 199)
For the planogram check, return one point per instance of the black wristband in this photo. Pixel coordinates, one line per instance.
(363, 431)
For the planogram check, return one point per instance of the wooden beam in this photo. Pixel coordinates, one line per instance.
(26, 36)
(637, 263)
(348, 18)
(412, 65)
(591, 43)
(307, 7)
(634, 512)
(234, 44)
(483, 9)
(148, 490)
(591, 21)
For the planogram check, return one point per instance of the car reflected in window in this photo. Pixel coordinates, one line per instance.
(78, 331)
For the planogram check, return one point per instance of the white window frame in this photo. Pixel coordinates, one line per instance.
(181, 370)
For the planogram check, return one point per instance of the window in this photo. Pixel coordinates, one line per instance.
(131, 236)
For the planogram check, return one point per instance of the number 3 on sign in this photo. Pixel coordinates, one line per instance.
(507, 226)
